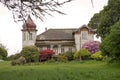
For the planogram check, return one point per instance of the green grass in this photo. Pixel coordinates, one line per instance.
(89, 70)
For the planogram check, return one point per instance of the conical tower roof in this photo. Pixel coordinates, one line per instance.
(29, 24)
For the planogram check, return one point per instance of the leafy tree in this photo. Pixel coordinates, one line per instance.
(93, 23)
(111, 44)
(107, 18)
(38, 8)
(46, 54)
(3, 53)
(81, 54)
(91, 46)
(29, 52)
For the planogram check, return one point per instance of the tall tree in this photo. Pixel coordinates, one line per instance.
(111, 44)
(107, 18)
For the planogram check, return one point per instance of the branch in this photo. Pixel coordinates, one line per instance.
(39, 8)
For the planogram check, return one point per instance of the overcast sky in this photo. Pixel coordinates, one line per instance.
(78, 12)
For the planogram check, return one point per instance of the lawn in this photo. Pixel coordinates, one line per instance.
(75, 70)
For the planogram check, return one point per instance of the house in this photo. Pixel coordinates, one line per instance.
(59, 40)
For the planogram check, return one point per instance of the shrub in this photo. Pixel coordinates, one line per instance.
(36, 57)
(69, 55)
(3, 53)
(97, 55)
(29, 52)
(46, 54)
(19, 61)
(81, 54)
(62, 58)
(92, 46)
(15, 56)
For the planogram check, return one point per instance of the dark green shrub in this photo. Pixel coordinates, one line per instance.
(69, 55)
(3, 53)
(36, 57)
(29, 52)
(62, 58)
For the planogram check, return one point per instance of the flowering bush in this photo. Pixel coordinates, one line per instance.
(46, 54)
(92, 46)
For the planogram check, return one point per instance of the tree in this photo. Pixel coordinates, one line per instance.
(111, 44)
(29, 52)
(81, 54)
(3, 52)
(38, 8)
(46, 54)
(91, 46)
(93, 23)
(107, 18)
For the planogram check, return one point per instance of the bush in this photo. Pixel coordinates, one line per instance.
(97, 56)
(15, 56)
(62, 58)
(3, 53)
(29, 52)
(81, 54)
(91, 46)
(69, 55)
(46, 54)
(19, 61)
(36, 57)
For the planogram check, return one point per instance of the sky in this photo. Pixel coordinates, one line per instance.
(79, 12)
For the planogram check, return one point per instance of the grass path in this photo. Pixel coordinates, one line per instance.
(89, 70)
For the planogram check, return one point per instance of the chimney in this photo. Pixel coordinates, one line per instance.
(46, 29)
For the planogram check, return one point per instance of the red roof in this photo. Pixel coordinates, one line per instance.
(29, 24)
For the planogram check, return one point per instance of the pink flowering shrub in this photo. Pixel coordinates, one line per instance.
(91, 46)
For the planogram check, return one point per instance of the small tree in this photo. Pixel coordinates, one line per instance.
(69, 55)
(29, 52)
(46, 54)
(3, 53)
(81, 54)
(92, 46)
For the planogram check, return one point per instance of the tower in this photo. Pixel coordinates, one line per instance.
(28, 33)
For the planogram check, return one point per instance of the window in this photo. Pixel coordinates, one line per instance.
(70, 49)
(62, 50)
(85, 35)
(30, 36)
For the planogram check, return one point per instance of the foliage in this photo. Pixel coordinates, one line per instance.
(46, 54)
(91, 46)
(69, 55)
(93, 23)
(15, 56)
(97, 56)
(81, 54)
(111, 44)
(20, 61)
(107, 18)
(3, 53)
(62, 58)
(38, 8)
(29, 52)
